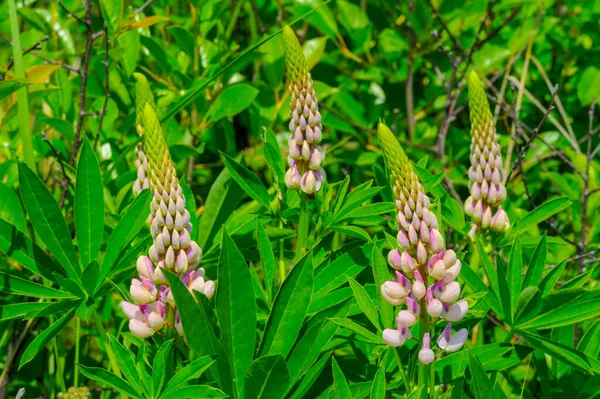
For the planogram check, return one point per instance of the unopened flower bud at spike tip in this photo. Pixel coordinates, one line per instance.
(486, 182)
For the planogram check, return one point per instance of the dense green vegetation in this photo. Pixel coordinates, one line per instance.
(278, 273)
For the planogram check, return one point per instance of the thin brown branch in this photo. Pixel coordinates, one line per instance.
(106, 83)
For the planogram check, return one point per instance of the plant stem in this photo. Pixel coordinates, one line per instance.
(423, 375)
(431, 372)
(107, 348)
(282, 271)
(302, 229)
(402, 372)
(22, 98)
(77, 338)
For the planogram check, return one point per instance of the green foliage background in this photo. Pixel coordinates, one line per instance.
(216, 71)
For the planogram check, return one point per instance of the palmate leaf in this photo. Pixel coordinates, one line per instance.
(480, 383)
(129, 226)
(48, 221)
(89, 205)
(539, 214)
(192, 94)
(17, 246)
(559, 351)
(191, 371)
(267, 378)
(16, 285)
(289, 309)
(365, 303)
(160, 365)
(236, 310)
(105, 377)
(570, 313)
(248, 181)
(340, 384)
(126, 362)
(41, 340)
(223, 198)
(379, 384)
(199, 331)
(267, 258)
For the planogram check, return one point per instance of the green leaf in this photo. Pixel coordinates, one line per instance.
(570, 313)
(378, 388)
(223, 198)
(195, 391)
(236, 310)
(129, 226)
(48, 221)
(515, 268)
(481, 386)
(381, 274)
(199, 331)
(559, 351)
(352, 231)
(11, 209)
(41, 340)
(16, 285)
(340, 385)
(587, 89)
(267, 378)
(365, 303)
(495, 357)
(267, 258)
(363, 334)
(489, 268)
(160, 365)
(192, 94)
(105, 377)
(365, 211)
(529, 305)
(126, 362)
(590, 342)
(232, 100)
(9, 86)
(310, 377)
(17, 246)
(273, 157)
(475, 282)
(90, 277)
(191, 371)
(541, 213)
(248, 181)
(289, 309)
(89, 205)
(552, 277)
(533, 277)
(20, 310)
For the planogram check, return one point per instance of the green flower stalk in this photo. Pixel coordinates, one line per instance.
(426, 272)
(172, 249)
(486, 184)
(305, 154)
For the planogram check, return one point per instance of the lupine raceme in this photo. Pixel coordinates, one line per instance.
(143, 96)
(172, 247)
(305, 154)
(425, 271)
(486, 184)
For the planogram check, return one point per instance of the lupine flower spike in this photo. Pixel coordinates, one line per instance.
(425, 271)
(172, 249)
(143, 96)
(486, 180)
(305, 154)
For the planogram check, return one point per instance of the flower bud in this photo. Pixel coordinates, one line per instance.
(394, 259)
(457, 311)
(418, 288)
(426, 355)
(450, 293)
(309, 182)
(139, 328)
(393, 338)
(439, 270)
(406, 318)
(393, 293)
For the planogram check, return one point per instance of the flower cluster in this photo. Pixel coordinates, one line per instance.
(425, 271)
(486, 184)
(143, 96)
(305, 154)
(173, 249)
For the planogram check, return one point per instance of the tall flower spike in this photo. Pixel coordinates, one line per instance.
(305, 153)
(486, 180)
(172, 248)
(143, 96)
(421, 255)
